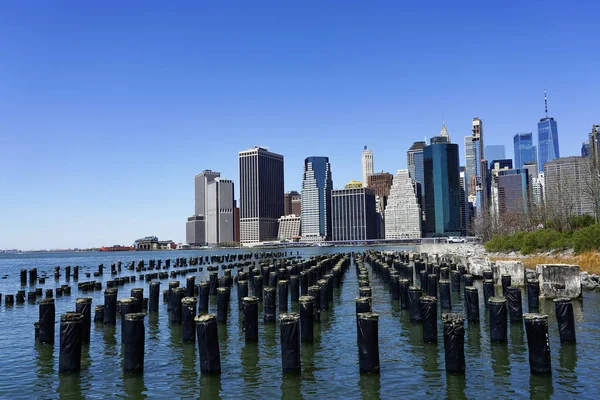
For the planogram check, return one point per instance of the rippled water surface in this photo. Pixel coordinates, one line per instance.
(329, 366)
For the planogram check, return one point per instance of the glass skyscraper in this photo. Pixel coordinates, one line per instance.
(316, 199)
(442, 189)
(524, 149)
(547, 142)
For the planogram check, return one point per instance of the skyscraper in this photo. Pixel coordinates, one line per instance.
(367, 166)
(569, 189)
(476, 166)
(261, 194)
(495, 152)
(200, 182)
(513, 191)
(414, 161)
(585, 149)
(465, 209)
(403, 212)
(594, 145)
(547, 139)
(442, 188)
(292, 203)
(316, 199)
(196, 225)
(524, 149)
(353, 214)
(219, 211)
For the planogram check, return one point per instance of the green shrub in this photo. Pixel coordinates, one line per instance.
(586, 239)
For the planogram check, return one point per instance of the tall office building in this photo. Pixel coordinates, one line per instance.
(196, 225)
(292, 203)
(524, 149)
(316, 199)
(442, 188)
(568, 186)
(547, 139)
(585, 149)
(513, 191)
(367, 166)
(261, 194)
(220, 203)
(594, 145)
(495, 152)
(403, 212)
(465, 210)
(476, 167)
(353, 214)
(414, 161)
(494, 199)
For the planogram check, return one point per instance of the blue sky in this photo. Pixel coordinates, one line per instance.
(108, 109)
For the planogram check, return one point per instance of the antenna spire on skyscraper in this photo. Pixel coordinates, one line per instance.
(546, 103)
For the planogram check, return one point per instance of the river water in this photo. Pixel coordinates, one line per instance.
(252, 371)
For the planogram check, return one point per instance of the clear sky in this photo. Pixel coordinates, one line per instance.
(108, 109)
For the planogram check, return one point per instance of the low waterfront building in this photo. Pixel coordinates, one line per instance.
(152, 243)
(289, 227)
(195, 229)
(403, 213)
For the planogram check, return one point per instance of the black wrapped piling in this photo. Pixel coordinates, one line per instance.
(445, 297)
(315, 293)
(533, 294)
(454, 342)
(498, 319)
(424, 281)
(488, 275)
(269, 304)
(488, 291)
(514, 303)
(23, 277)
(203, 295)
(468, 278)
(403, 285)
(294, 288)
(172, 285)
(47, 316)
(138, 293)
(566, 320)
(188, 313)
(214, 282)
(324, 294)
(303, 283)
(536, 326)
(455, 281)
(128, 306)
(84, 307)
(368, 342)
(289, 326)
(110, 306)
(208, 344)
(99, 314)
(223, 296)
(506, 282)
(472, 304)
(282, 295)
(306, 318)
(429, 316)
(414, 304)
(365, 292)
(153, 297)
(133, 339)
(190, 283)
(273, 279)
(250, 305)
(432, 283)
(69, 359)
(177, 294)
(242, 292)
(395, 286)
(258, 288)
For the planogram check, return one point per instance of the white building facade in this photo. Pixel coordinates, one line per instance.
(367, 166)
(403, 213)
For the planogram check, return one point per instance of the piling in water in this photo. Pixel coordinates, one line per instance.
(533, 294)
(368, 342)
(566, 320)
(128, 306)
(208, 344)
(472, 304)
(498, 319)
(177, 295)
(282, 295)
(153, 297)
(188, 313)
(203, 295)
(445, 297)
(269, 304)
(84, 307)
(514, 303)
(223, 296)
(303, 283)
(488, 275)
(289, 326)
(324, 294)
(306, 318)
(455, 281)
(536, 326)
(294, 288)
(454, 342)
(488, 291)
(429, 316)
(99, 314)
(432, 283)
(190, 283)
(403, 285)
(395, 286)
(47, 316)
(506, 282)
(214, 282)
(69, 359)
(242, 291)
(110, 306)
(133, 339)
(365, 291)
(138, 293)
(315, 293)
(172, 285)
(468, 278)
(414, 304)
(424, 281)
(250, 305)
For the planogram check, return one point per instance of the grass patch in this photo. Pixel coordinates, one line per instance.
(588, 261)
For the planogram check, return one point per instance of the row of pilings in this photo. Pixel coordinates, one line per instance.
(310, 283)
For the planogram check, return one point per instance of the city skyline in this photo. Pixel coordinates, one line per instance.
(83, 142)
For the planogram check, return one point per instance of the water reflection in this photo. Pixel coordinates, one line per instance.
(370, 386)
(153, 326)
(134, 387)
(540, 386)
(69, 386)
(109, 333)
(189, 370)
(455, 386)
(249, 360)
(210, 387)
(291, 387)
(500, 365)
